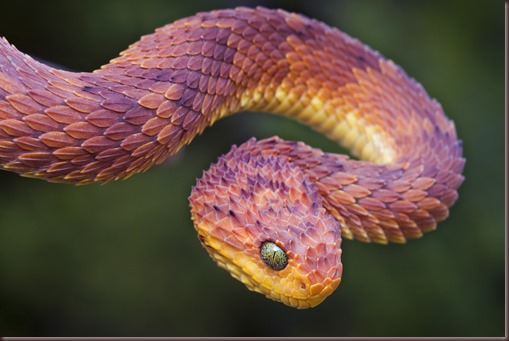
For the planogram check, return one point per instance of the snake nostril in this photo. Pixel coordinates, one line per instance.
(201, 239)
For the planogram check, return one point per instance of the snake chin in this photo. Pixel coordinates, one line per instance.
(246, 199)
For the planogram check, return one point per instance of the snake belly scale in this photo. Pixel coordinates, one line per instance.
(271, 212)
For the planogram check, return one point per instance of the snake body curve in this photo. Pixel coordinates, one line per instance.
(168, 87)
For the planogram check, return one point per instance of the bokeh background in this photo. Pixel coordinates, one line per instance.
(123, 259)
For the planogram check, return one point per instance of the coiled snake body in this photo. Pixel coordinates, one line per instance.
(271, 212)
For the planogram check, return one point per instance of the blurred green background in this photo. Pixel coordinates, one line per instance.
(123, 259)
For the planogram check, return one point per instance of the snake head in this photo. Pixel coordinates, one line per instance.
(261, 219)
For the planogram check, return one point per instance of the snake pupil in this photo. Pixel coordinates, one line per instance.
(273, 256)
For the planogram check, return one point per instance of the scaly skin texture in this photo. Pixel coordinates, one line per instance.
(169, 86)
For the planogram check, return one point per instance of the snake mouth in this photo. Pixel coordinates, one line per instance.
(292, 286)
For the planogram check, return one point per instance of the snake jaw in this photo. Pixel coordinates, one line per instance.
(292, 286)
(275, 202)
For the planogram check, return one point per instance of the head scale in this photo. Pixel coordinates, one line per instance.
(261, 219)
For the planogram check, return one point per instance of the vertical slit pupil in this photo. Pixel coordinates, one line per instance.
(273, 256)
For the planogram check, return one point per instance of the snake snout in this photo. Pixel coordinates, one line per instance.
(261, 219)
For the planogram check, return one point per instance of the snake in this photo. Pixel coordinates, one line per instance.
(271, 212)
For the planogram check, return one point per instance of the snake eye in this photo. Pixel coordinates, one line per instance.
(274, 256)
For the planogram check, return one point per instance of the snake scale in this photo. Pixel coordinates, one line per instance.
(271, 212)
